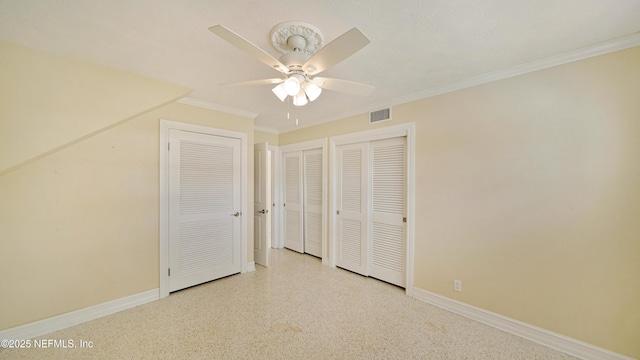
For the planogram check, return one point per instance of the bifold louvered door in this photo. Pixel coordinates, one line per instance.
(293, 220)
(312, 200)
(352, 195)
(387, 231)
(204, 208)
(371, 193)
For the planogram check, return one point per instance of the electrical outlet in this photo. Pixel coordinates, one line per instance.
(457, 285)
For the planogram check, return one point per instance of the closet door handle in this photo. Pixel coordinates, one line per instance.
(236, 214)
(263, 211)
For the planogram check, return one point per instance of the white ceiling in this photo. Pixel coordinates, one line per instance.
(415, 45)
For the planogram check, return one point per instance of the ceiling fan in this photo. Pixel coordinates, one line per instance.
(303, 58)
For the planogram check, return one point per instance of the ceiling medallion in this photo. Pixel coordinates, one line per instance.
(281, 33)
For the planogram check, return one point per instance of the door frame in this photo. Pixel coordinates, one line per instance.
(165, 127)
(388, 132)
(302, 146)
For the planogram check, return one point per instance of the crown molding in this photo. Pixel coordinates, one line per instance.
(266, 129)
(211, 106)
(310, 123)
(586, 52)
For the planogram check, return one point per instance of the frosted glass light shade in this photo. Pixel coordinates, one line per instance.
(312, 90)
(300, 99)
(279, 91)
(292, 86)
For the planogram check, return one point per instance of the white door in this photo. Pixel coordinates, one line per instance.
(312, 199)
(292, 169)
(352, 207)
(387, 230)
(204, 208)
(371, 206)
(262, 204)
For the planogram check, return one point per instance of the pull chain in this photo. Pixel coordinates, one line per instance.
(289, 99)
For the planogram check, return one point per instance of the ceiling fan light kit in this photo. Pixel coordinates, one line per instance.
(304, 56)
(298, 87)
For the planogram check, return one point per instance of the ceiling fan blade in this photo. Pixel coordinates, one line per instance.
(339, 49)
(254, 82)
(248, 47)
(344, 86)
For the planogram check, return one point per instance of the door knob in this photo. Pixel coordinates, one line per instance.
(236, 214)
(263, 211)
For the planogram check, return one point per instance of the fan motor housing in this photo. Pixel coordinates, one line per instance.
(294, 59)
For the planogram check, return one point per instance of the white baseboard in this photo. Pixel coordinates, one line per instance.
(59, 322)
(541, 336)
(251, 266)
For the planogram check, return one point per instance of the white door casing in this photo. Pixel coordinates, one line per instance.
(262, 204)
(204, 208)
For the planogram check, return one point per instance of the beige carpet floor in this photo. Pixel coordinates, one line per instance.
(295, 309)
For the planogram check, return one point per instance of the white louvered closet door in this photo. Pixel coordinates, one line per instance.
(387, 231)
(313, 196)
(352, 205)
(204, 196)
(293, 220)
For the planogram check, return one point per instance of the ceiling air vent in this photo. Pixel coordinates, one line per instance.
(380, 115)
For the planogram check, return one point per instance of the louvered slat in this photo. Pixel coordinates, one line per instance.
(388, 246)
(292, 227)
(197, 250)
(292, 188)
(206, 178)
(388, 179)
(350, 246)
(313, 231)
(313, 178)
(351, 180)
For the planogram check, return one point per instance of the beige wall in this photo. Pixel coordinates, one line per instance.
(79, 226)
(528, 191)
(261, 136)
(341, 127)
(49, 101)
